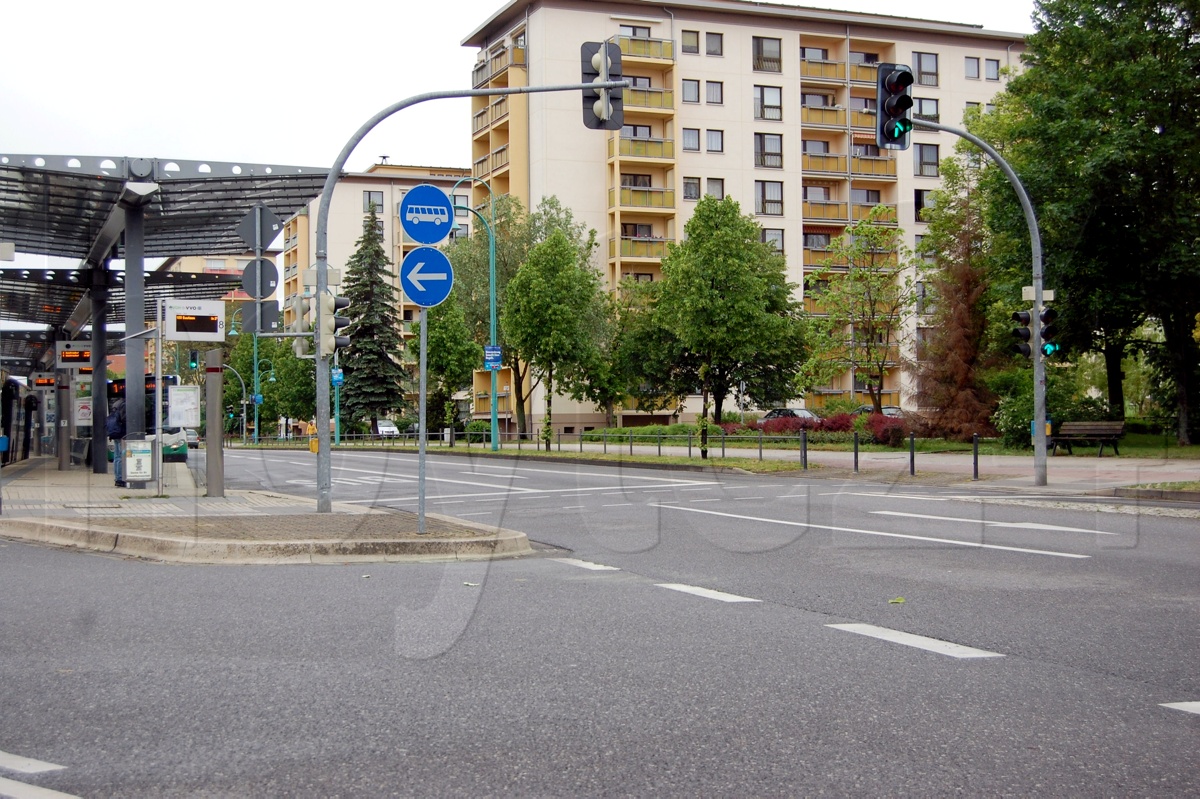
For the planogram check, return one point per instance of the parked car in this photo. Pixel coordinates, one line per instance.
(193, 438)
(788, 413)
(888, 410)
(388, 428)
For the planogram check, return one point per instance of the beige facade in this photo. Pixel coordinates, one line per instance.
(771, 105)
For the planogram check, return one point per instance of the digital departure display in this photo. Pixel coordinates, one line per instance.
(197, 323)
(75, 356)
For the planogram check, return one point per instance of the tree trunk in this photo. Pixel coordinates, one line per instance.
(549, 422)
(1114, 352)
(518, 395)
(704, 423)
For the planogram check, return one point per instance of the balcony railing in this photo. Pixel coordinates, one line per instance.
(820, 257)
(639, 247)
(873, 166)
(650, 98)
(865, 73)
(863, 210)
(824, 162)
(823, 70)
(642, 148)
(638, 47)
(768, 207)
(771, 112)
(928, 117)
(767, 63)
(860, 118)
(497, 63)
(642, 198)
(820, 115)
(825, 209)
(771, 160)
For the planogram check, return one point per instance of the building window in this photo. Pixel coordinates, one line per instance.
(972, 67)
(814, 54)
(925, 108)
(214, 264)
(768, 102)
(816, 100)
(630, 230)
(774, 237)
(925, 160)
(818, 194)
(635, 181)
(858, 57)
(464, 201)
(714, 43)
(715, 141)
(926, 67)
(636, 31)
(922, 199)
(639, 277)
(691, 90)
(690, 42)
(768, 197)
(691, 139)
(372, 197)
(716, 188)
(691, 188)
(638, 81)
(814, 147)
(767, 54)
(817, 241)
(768, 150)
(864, 196)
(991, 69)
(714, 92)
(865, 150)
(635, 131)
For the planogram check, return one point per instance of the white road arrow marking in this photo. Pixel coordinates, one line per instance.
(415, 277)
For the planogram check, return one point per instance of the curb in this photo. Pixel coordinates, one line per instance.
(494, 544)
(1157, 493)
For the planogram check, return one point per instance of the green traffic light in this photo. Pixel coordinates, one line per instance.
(1050, 348)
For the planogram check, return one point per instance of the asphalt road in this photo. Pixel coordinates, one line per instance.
(678, 633)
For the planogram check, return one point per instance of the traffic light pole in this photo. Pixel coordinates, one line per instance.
(1035, 246)
(324, 464)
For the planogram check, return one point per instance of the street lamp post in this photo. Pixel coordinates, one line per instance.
(243, 382)
(489, 225)
(258, 371)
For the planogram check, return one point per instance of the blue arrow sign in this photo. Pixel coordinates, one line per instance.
(426, 276)
(426, 214)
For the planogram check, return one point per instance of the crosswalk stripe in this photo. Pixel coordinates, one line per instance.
(21, 790)
(1189, 707)
(583, 564)
(26, 765)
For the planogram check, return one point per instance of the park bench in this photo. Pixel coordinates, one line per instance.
(1088, 433)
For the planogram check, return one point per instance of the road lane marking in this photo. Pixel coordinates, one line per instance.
(584, 564)
(21, 790)
(26, 765)
(879, 533)
(618, 505)
(918, 641)
(480, 513)
(1187, 707)
(878, 495)
(571, 507)
(707, 593)
(989, 523)
(707, 499)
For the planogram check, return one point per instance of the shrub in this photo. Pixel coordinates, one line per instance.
(478, 430)
(838, 423)
(788, 426)
(886, 430)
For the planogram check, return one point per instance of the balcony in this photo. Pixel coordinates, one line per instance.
(631, 197)
(491, 67)
(641, 148)
(824, 162)
(862, 119)
(876, 166)
(497, 159)
(823, 116)
(826, 209)
(495, 111)
(863, 210)
(639, 247)
(653, 99)
(639, 48)
(819, 258)
(823, 70)
(864, 73)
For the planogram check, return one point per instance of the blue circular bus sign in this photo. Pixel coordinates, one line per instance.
(426, 214)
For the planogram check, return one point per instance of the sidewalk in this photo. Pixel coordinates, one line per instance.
(82, 509)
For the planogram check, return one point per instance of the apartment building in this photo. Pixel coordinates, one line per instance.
(772, 105)
(383, 185)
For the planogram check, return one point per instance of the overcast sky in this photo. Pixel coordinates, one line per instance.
(272, 82)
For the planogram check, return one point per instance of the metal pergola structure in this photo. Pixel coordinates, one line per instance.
(99, 209)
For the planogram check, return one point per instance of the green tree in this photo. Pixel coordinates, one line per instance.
(374, 374)
(725, 304)
(451, 357)
(1100, 126)
(952, 359)
(548, 317)
(865, 303)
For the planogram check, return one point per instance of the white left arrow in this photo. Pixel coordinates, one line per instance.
(415, 277)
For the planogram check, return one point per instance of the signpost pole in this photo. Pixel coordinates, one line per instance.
(424, 318)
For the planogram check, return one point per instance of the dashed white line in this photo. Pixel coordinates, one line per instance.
(709, 499)
(584, 564)
(990, 523)
(480, 513)
(26, 765)
(1187, 707)
(618, 505)
(707, 593)
(918, 641)
(21, 790)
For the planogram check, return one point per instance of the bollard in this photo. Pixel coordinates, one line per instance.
(689, 443)
(604, 438)
(804, 449)
(722, 442)
(559, 437)
(581, 442)
(912, 454)
(760, 436)
(631, 441)
(975, 456)
(856, 452)
(660, 443)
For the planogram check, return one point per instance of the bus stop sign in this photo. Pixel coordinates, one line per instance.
(426, 214)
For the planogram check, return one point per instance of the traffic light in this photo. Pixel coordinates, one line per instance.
(1022, 334)
(1049, 331)
(301, 305)
(193, 359)
(328, 340)
(893, 104)
(603, 109)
